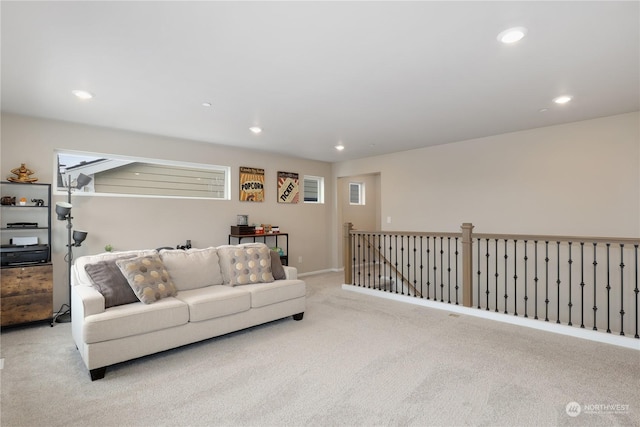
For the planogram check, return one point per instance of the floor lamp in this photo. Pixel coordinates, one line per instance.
(63, 211)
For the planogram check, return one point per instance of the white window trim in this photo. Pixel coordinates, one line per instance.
(320, 181)
(361, 193)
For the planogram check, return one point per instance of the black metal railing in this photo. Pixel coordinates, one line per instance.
(585, 282)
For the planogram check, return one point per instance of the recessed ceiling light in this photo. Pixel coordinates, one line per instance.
(206, 104)
(255, 129)
(340, 147)
(562, 99)
(82, 94)
(512, 35)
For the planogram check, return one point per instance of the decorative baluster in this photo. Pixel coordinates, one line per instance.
(608, 290)
(621, 289)
(428, 268)
(558, 282)
(479, 273)
(402, 273)
(421, 268)
(582, 285)
(449, 270)
(356, 259)
(366, 261)
(497, 276)
(546, 291)
(456, 253)
(435, 269)
(384, 265)
(487, 256)
(515, 278)
(636, 290)
(506, 283)
(396, 263)
(535, 278)
(526, 278)
(595, 265)
(415, 262)
(379, 264)
(570, 303)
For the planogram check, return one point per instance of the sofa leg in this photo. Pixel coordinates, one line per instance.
(298, 316)
(98, 373)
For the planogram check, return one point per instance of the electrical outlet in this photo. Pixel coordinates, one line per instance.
(300, 259)
(388, 220)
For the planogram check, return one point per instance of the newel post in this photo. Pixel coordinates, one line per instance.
(347, 250)
(467, 264)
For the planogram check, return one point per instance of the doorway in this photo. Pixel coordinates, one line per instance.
(358, 203)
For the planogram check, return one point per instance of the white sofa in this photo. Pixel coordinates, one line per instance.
(208, 301)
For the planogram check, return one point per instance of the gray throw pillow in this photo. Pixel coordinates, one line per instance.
(276, 266)
(107, 278)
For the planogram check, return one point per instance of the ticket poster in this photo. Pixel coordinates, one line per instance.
(288, 187)
(251, 184)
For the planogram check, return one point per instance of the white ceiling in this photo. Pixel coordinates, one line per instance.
(379, 77)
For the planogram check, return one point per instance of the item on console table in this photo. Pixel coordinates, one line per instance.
(242, 229)
(259, 230)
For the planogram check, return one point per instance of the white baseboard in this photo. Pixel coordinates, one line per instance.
(587, 334)
(328, 270)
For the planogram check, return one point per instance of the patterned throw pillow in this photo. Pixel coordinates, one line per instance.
(243, 265)
(147, 277)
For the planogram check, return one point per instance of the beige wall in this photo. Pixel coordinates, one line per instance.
(128, 223)
(581, 178)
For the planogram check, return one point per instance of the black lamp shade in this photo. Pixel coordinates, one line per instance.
(63, 209)
(78, 237)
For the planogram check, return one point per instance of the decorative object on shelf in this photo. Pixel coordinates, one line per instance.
(23, 201)
(8, 201)
(108, 248)
(23, 174)
(243, 220)
(251, 184)
(38, 202)
(63, 211)
(288, 187)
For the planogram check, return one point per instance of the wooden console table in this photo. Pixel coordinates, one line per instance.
(284, 258)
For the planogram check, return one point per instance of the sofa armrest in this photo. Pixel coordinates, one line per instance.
(86, 300)
(290, 272)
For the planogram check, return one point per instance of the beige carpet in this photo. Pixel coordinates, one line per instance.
(353, 360)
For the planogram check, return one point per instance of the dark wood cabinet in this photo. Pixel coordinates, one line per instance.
(26, 294)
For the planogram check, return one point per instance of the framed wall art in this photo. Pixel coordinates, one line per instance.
(288, 187)
(251, 184)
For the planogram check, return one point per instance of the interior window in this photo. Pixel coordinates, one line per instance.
(129, 176)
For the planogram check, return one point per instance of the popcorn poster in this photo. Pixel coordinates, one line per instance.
(251, 184)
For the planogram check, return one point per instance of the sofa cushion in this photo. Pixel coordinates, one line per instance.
(107, 278)
(134, 319)
(242, 265)
(214, 301)
(276, 266)
(193, 268)
(263, 294)
(148, 278)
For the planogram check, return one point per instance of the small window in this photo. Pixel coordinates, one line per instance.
(313, 189)
(356, 193)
